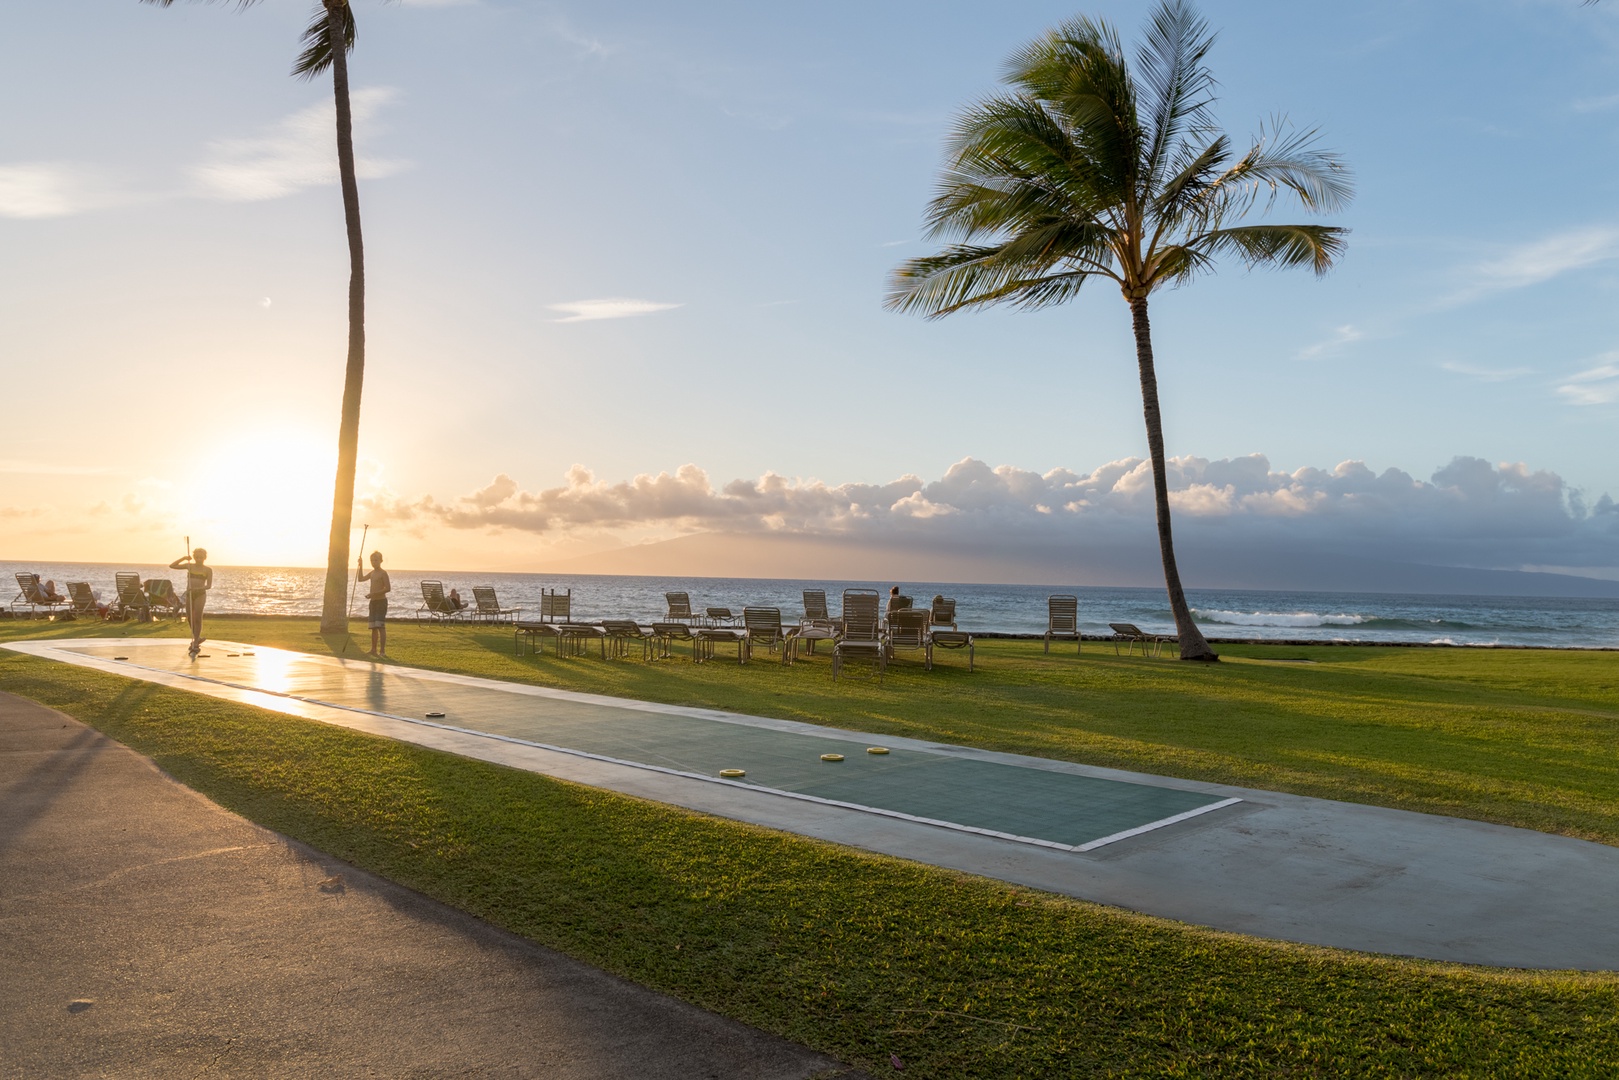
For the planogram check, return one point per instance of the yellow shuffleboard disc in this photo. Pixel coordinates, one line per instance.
(435, 716)
(831, 757)
(732, 774)
(876, 749)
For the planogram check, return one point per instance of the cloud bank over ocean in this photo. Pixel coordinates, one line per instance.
(1469, 513)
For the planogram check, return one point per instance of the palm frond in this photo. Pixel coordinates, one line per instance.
(1315, 246)
(969, 275)
(1280, 162)
(317, 54)
(1180, 88)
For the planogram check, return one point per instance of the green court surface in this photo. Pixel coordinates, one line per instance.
(1038, 802)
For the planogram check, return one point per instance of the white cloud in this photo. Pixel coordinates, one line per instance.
(609, 308)
(46, 189)
(1470, 513)
(1594, 386)
(1539, 261)
(295, 153)
(1343, 335)
(1484, 374)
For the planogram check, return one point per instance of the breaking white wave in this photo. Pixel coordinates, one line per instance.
(1280, 618)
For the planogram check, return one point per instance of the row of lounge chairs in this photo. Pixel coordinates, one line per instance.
(133, 599)
(859, 633)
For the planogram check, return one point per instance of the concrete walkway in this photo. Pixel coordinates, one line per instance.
(1268, 864)
(145, 932)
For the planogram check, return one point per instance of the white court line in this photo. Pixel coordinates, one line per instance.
(55, 650)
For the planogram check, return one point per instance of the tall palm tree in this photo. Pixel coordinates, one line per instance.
(333, 21)
(1089, 166)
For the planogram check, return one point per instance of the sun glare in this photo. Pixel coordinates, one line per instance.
(264, 500)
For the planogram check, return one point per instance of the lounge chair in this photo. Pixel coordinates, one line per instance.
(862, 634)
(1062, 620)
(620, 632)
(679, 607)
(955, 639)
(909, 628)
(132, 598)
(1130, 635)
(719, 616)
(898, 603)
(32, 598)
(664, 636)
(83, 600)
(817, 624)
(556, 608)
(573, 639)
(487, 606)
(705, 638)
(162, 594)
(763, 627)
(942, 612)
(436, 606)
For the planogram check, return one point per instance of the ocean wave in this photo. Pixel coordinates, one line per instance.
(1305, 619)
(1278, 618)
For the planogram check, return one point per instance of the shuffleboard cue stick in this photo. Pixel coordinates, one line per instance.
(366, 531)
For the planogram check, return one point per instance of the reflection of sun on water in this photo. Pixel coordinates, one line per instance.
(264, 501)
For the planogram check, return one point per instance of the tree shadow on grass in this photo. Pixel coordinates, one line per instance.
(343, 644)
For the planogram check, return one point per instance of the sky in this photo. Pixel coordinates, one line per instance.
(626, 264)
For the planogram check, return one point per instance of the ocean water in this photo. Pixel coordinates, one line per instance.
(1245, 614)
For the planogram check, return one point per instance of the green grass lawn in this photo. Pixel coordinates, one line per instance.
(864, 956)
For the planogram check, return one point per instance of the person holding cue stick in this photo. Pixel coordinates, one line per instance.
(199, 579)
(377, 593)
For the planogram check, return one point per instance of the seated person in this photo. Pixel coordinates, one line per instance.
(455, 601)
(48, 593)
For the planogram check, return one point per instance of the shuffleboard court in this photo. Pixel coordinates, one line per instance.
(939, 786)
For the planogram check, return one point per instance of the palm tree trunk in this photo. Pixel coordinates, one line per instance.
(1193, 646)
(334, 618)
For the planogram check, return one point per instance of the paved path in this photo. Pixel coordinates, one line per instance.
(145, 932)
(1271, 865)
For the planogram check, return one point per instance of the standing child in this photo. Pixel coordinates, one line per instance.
(378, 594)
(199, 579)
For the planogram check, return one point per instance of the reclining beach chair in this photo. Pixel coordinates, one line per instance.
(763, 627)
(573, 639)
(1062, 620)
(955, 639)
(435, 605)
(132, 598)
(816, 626)
(908, 629)
(83, 600)
(620, 632)
(719, 616)
(664, 636)
(706, 638)
(862, 634)
(1130, 635)
(556, 608)
(943, 612)
(679, 607)
(32, 598)
(487, 606)
(161, 593)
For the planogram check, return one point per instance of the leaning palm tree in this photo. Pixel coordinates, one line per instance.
(1090, 166)
(332, 22)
